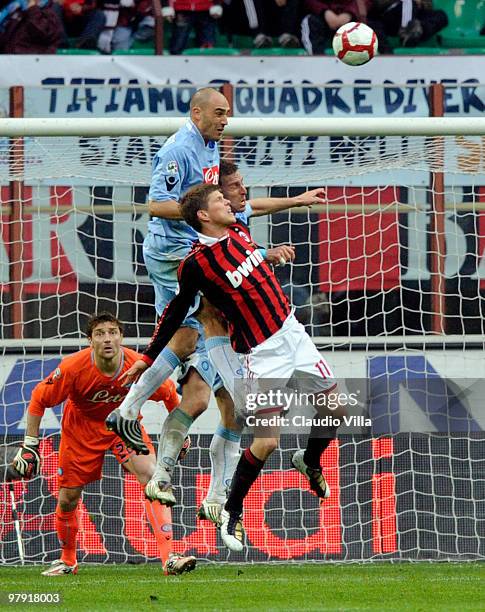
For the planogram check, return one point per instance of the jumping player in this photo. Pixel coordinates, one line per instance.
(228, 269)
(224, 447)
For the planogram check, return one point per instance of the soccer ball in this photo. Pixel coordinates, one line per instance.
(355, 43)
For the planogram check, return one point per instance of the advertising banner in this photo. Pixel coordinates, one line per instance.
(304, 86)
(379, 380)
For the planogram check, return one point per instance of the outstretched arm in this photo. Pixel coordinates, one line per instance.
(168, 323)
(267, 206)
(176, 311)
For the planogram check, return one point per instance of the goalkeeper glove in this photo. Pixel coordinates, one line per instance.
(27, 459)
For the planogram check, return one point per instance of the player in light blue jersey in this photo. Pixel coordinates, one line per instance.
(189, 157)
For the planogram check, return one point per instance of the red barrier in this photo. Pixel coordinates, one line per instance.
(273, 540)
(384, 523)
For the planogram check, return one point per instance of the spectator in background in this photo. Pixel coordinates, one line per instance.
(126, 21)
(82, 19)
(324, 18)
(29, 27)
(188, 15)
(263, 19)
(412, 20)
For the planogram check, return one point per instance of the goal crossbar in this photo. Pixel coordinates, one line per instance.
(149, 126)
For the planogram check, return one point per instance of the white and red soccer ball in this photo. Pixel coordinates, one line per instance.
(355, 43)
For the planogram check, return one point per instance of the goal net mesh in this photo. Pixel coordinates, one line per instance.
(74, 217)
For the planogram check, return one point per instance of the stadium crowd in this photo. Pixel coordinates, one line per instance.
(307, 26)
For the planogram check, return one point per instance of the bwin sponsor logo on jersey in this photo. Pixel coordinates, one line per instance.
(252, 261)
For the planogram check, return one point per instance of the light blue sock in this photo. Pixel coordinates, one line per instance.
(172, 436)
(225, 360)
(224, 454)
(148, 383)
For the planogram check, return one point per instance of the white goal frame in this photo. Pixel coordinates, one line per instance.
(381, 457)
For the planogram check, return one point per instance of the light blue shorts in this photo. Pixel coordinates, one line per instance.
(163, 275)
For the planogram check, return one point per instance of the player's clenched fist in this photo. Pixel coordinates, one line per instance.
(280, 255)
(27, 459)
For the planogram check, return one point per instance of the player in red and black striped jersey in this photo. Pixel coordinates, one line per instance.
(232, 274)
(229, 270)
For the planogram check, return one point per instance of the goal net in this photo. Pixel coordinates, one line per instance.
(388, 279)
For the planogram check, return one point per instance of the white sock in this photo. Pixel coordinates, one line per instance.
(224, 454)
(225, 360)
(172, 436)
(148, 383)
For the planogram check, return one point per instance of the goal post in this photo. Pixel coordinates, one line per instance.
(388, 279)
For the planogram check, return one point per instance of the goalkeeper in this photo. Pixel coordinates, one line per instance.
(90, 382)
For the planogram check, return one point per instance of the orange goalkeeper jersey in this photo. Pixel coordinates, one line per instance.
(90, 393)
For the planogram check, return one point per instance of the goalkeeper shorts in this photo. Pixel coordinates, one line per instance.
(82, 450)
